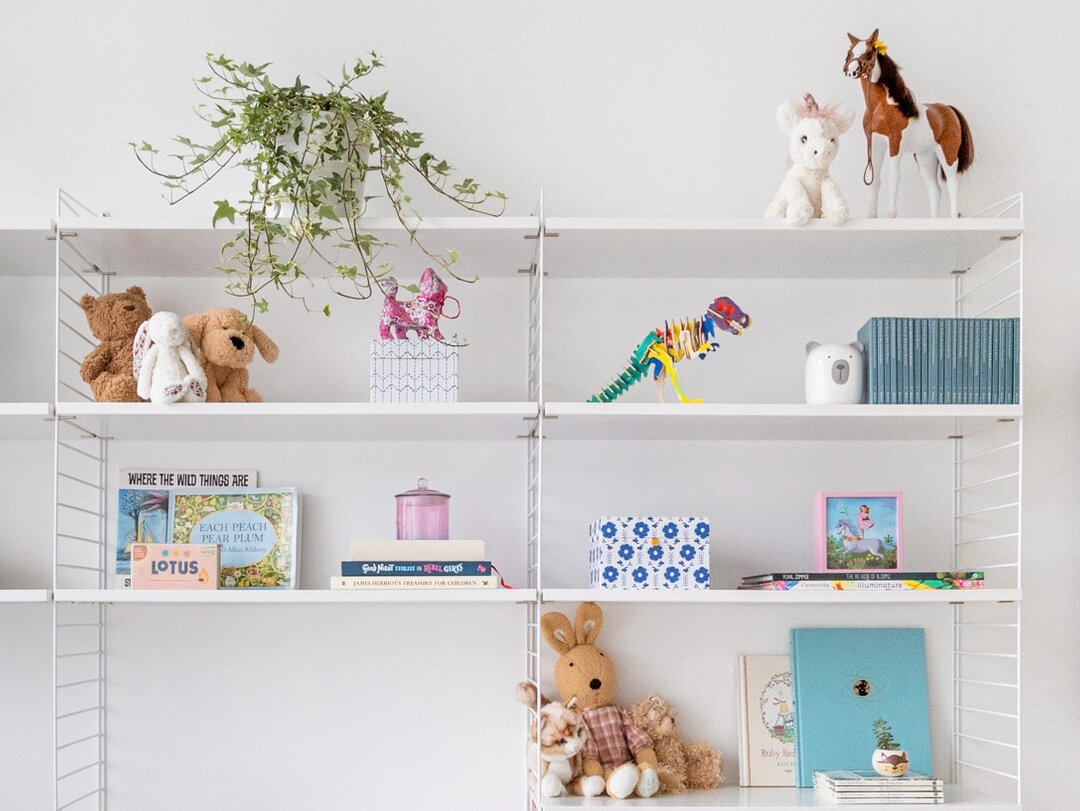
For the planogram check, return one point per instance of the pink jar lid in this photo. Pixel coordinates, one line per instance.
(422, 490)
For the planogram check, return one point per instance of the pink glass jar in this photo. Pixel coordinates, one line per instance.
(423, 514)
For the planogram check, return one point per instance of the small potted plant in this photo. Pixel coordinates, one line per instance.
(889, 759)
(311, 156)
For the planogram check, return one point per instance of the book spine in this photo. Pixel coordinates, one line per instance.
(418, 583)
(867, 585)
(942, 575)
(413, 568)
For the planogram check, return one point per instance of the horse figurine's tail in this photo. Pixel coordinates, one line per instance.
(636, 370)
(966, 154)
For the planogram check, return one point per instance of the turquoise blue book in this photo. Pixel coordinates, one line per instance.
(844, 680)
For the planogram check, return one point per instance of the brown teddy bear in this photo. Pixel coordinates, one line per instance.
(225, 343)
(114, 319)
(679, 765)
(617, 750)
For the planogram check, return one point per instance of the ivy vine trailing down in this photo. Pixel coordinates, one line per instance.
(311, 155)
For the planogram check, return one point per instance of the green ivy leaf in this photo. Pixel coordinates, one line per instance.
(224, 211)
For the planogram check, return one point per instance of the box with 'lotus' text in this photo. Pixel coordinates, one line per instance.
(174, 566)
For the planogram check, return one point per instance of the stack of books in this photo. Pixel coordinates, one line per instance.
(844, 787)
(942, 360)
(417, 565)
(863, 581)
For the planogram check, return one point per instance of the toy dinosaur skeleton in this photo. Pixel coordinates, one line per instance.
(664, 347)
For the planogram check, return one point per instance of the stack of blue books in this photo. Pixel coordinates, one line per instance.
(941, 360)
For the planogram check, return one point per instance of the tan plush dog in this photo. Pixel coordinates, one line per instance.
(225, 343)
(680, 765)
(618, 750)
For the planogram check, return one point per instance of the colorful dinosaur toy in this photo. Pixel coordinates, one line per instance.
(664, 347)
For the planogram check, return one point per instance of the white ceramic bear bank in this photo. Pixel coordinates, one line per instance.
(834, 373)
(807, 190)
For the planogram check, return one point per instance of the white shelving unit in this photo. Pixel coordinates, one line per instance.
(565, 283)
(755, 450)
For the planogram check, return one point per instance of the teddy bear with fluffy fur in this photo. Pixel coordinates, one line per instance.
(679, 765)
(114, 319)
(225, 343)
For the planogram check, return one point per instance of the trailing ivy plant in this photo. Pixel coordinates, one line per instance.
(313, 158)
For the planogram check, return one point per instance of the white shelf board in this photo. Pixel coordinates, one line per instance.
(763, 798)
(301, 421)
(184, 246)
(26, 248)
(752, 597)
(26, 421)
(24, 595)
(295, 596)
(775, 421)
(733, 248)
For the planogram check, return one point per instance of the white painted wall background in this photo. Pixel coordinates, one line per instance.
(612, 109)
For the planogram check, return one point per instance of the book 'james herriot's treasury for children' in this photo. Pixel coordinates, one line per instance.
(256, 529)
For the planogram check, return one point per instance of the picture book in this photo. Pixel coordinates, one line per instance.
(428, 568)
(905, 584)
(418, 550)
(174, 566)
(166, 478)
(257, 530)
(142, 516)
(143, 505)
(766, 721)
(844, 680)
(857, 575)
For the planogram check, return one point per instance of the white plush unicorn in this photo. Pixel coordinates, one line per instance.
(807, 190)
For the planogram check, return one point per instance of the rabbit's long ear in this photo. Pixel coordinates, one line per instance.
(139, 347)
(590, 619)
(558, 632)
(267, 348)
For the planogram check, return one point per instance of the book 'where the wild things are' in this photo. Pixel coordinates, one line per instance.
(143, 505)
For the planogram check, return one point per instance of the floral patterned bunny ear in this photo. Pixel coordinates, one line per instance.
(139, 348)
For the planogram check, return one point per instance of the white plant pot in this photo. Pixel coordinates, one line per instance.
(891, 762)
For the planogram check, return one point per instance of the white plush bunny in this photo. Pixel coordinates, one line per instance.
(164, 362)
(807, 190)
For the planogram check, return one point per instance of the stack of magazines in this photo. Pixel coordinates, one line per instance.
(844, 787)
(863, 581)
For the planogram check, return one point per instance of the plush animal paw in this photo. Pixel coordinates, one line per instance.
(648, 783)
(551, 786)
(592, 786)
(837, 214)
(800, 212)
(623, 781)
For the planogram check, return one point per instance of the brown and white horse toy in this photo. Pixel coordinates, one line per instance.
(936, 134)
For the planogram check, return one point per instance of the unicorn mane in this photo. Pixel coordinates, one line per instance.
(894, 84)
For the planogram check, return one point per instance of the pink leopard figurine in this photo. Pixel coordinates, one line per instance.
(421, 315)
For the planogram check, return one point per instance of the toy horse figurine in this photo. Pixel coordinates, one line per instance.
(421, 315)
(936, 134)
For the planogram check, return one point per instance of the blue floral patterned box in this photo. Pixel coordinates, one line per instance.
(661, 552)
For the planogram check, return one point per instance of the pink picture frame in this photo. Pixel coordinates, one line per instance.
(859, 531)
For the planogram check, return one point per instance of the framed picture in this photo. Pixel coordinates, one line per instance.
(858, 532)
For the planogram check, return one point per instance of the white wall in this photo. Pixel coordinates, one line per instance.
(624, 109)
